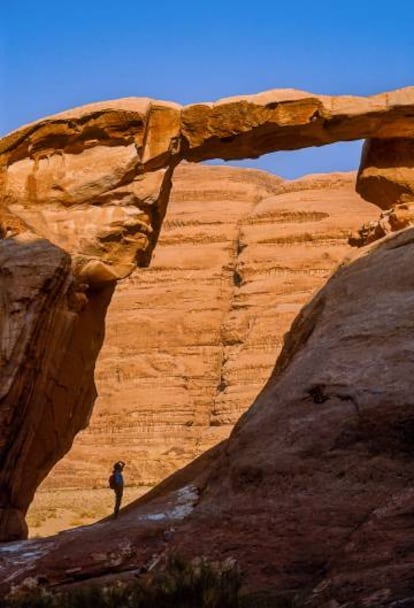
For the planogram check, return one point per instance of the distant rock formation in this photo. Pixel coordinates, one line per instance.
(191, 340)
(95, 182)
(312, 493)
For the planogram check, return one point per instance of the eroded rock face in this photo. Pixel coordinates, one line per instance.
(324, 452)
(252, 125)
(95, 180)
(191, 340)
(51, 333)
(312, 492)
(386, 173)
(394, 219)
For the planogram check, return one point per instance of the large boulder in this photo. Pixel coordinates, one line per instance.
(191, 340)
(386, 172)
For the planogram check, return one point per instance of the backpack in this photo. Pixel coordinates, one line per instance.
(112, 482)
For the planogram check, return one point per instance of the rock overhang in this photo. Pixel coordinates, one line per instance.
(95, 181)
(110, 164)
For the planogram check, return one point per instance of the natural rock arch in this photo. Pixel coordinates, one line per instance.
(83, 195)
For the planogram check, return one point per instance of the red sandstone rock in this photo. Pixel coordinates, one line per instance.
(50, 333)
(386, 173)
(94, 181)
(393, 219)
(191, 340)
(251, 125)
(108, 218)
(312, 491)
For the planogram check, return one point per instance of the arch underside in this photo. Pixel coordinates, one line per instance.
(87, 191)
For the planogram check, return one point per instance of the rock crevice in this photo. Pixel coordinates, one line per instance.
(95, 182)
(158, 382)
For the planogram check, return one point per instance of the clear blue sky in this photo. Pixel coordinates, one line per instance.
(59, 54)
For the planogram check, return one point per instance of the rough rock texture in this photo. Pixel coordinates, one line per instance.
(312, 492)
(191, 340)
(95, 180)
(50, 335)
(394, 219)
(315, 483)
(248, 126)
(386, 173)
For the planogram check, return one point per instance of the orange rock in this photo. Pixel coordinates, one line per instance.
(386, 173)
(48, 349)
(95, 182)
(248, 126)
(312, 493)
(396, 218)
(191, 340)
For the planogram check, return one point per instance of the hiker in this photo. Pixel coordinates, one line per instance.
(116, 482)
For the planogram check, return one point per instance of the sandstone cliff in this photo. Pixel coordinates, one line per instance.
(95, 181)
(312, 492)
(191, 340)
(315, 482)
(50, 335)
(95, 184)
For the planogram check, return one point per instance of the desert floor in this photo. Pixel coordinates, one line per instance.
(54, 511)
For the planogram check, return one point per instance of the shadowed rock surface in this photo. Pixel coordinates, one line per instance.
(312, 492)
(95, 182)
(387, 171)
(191, 340)
(50, 335)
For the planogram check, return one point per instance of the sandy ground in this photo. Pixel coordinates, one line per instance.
(53, 512)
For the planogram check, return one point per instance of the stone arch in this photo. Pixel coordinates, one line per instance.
(70, 233)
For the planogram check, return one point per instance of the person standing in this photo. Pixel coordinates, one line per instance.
(116, 482)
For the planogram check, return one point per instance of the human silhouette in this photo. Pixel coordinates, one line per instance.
(116, 482)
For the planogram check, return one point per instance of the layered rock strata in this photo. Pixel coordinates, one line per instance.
(312, 493)
(191, 340)
(95, 181)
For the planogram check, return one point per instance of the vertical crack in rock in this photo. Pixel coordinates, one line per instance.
(230, 343)
(181, 316)
(108, 217)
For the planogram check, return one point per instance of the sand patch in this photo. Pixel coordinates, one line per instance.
(54, 511)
